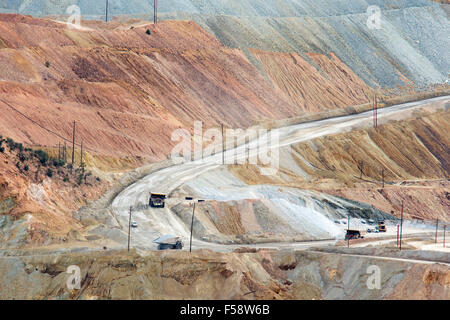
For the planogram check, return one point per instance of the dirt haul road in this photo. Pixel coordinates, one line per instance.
(153, 223)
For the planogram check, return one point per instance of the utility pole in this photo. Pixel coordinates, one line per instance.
(401, 228)
(445, 226)
(398, 227)
(437, 225)
(382, 174)
(192, 228)
(129, 230)
(64, 151)
(376, 110)
(73, 144)
(107, 8)
(223, 147)
(155, 12)
(81, 163)
(348, 228)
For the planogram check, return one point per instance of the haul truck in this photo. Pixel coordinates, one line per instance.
(381, 226)
(353, 234)
(169, 242)
(157, 200)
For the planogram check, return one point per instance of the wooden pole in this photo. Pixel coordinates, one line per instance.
(445, 226)
(81, 163)
(155, 11)
(401, 228)
(107, 8)
(376, 111)
(437, 226)
(398, 231)
(223, 146)
(348, 228)
(192, 228)
(73, 144)
(129, 230)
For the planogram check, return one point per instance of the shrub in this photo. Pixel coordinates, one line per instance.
(42, 156)
(49, 172)
(148, 32)
(80, 179)
(26, 167)
(22, 157)
(11, 144)
(2, 149)
(66, 179)
(47, 64)
(58, 163)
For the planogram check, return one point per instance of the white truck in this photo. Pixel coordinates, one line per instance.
(169, 242)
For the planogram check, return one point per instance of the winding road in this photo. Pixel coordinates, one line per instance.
(153, 223)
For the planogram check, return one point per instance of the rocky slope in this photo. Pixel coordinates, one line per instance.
(38, 198)
(410, 46)
(127, 90)
(412, 154)
(208, 275)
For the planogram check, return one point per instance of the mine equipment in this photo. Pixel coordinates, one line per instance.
(353, 234)
(169, 242)
(381, 226)
(157, 200)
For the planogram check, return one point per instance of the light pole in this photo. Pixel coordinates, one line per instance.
(348, 231)
(129, 230)
(192, 222)
(437, 226)
(401, 228)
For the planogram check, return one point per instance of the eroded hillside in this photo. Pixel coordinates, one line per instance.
(412, 155)
(244, 274)
(127, 90)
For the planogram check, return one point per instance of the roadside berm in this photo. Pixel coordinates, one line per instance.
(243, 274)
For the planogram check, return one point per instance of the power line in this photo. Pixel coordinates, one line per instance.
(42, 127)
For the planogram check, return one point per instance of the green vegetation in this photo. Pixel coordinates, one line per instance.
(42, 158)
(47, 64)
(148, 32)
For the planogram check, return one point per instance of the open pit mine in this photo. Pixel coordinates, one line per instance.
(241, 149)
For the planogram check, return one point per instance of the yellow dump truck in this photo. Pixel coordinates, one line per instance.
(381, 227)
(157, 200)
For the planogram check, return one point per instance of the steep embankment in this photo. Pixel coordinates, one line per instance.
(413, 155)
(408, 48)
(38, 196)
(245, 274)
(333, 85)
(127, 90)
